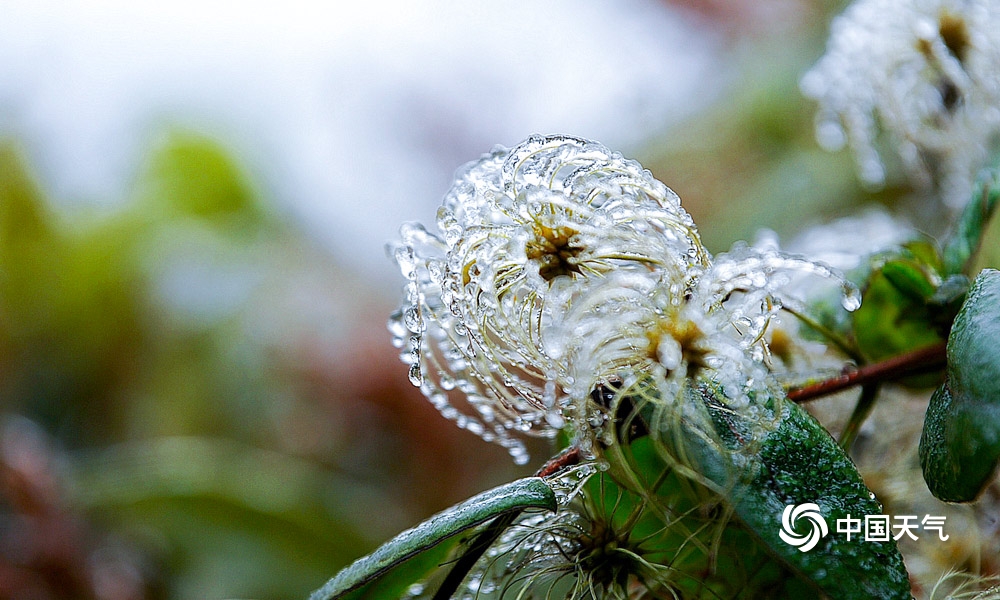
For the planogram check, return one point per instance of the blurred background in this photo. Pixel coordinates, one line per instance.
(198, 394)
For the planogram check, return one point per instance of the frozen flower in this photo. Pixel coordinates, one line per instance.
(603, 543)
(924, 71)
(562, 267)
(636, 337)
(520, 227)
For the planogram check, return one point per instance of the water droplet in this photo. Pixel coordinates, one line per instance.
(851, 300)
(555, 420)
(438, 400)
(395, 325)
(436, 270)
(415, 376)
(549, 395)
(411, 356)
(446, 381)
(449, 226)
(407, 261)
(412, 320)
(830, 135)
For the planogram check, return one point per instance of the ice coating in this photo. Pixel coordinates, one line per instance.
(561, 266)
(537, 550)
(925, 72)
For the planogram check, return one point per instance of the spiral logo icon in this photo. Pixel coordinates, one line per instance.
(810, 512)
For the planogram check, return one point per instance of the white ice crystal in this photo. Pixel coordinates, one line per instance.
(925, 72)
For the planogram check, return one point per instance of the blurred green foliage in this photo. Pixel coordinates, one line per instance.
(750, 160)
(89, 350)
(167, 359)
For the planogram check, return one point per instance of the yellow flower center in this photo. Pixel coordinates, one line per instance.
(686, 347)
(553, 250)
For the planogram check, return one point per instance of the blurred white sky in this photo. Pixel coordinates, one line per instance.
(354, 114)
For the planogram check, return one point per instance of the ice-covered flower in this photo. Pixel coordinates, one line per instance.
(562, 269)
(633, 336)
(925, 72)
(602, 544)
(519, 228)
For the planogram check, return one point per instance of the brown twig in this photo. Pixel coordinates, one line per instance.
(567, 458)
(897, 367)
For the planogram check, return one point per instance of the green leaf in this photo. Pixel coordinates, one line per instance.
(973, 224)
(950, 294)
(960, 443)
(908, 277)
(710, 554)
(925, 253)
(292, 517)
(892, 321)
(761, 471)
(800, 463)
(190, 175)
(516, 496)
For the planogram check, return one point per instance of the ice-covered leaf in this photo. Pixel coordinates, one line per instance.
(795, 463)
(800, 464)
(516, 496)
(960, 444)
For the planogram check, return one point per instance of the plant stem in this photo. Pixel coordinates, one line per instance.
(832, 336)
(477, 547)
(567, 458)
(862, 409)
(918, 361)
